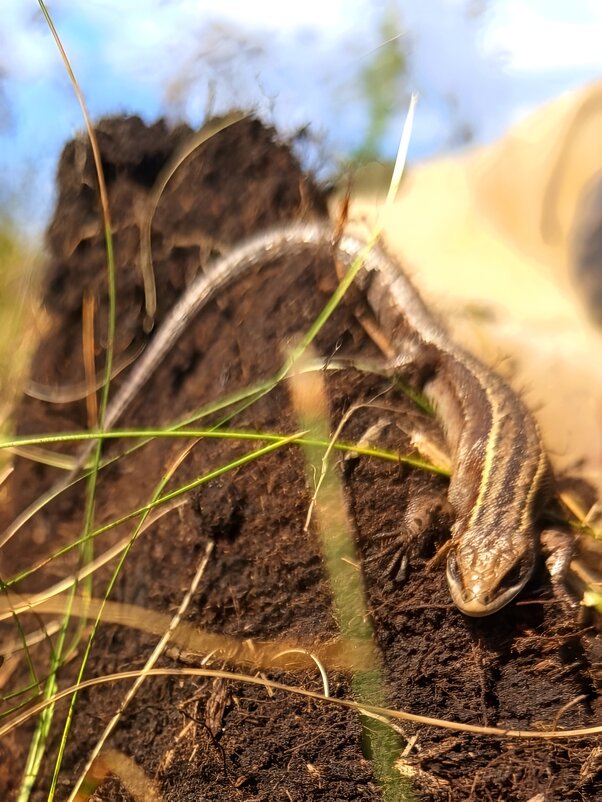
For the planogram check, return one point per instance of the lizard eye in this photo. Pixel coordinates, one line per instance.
(512, 578)
(452, 568)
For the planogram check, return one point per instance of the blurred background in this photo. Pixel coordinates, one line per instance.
(343, 68)
(499, 218)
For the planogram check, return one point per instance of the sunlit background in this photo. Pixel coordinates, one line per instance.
(343, 67)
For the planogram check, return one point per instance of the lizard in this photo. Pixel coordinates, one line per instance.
(501, 476)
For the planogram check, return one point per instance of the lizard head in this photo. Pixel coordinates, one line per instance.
(482, 580)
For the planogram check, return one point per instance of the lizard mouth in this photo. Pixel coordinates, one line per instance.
(480, 598)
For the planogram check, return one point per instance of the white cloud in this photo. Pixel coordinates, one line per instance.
(538, 37)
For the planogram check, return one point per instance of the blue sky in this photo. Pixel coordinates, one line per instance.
(297, 63)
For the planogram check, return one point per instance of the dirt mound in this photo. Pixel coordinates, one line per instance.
(264, 580)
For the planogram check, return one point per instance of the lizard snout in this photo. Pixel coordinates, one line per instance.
(480, 588)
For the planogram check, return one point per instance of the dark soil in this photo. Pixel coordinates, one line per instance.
(200, 738)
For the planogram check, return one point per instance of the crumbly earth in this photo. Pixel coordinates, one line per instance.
(197, 738)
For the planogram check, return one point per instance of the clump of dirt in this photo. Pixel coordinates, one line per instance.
(264, 580)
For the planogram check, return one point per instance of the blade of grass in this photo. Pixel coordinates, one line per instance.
(264, 654)
(146, 254)
(41, 733)
(233, 676)
(220, 434)
(381, 743)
